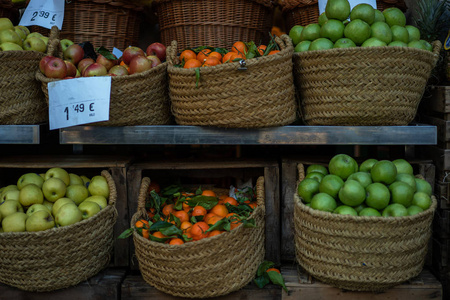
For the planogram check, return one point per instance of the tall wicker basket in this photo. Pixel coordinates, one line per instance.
(209, 267)
(60, 257)
(217, 23)
(360, 253)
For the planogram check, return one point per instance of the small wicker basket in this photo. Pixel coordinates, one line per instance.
(60, 257)
(260, 96)
(360, 253)
(362, 86)
(209, 267)
(217, 23)
(9, 10)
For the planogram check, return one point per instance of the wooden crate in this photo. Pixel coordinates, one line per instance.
(289, 176)
(441, 223)
(441, 253)
(223, 172)
(442, 192)
(438, 103)
(104, 285)
(303, 286)
(12, 167)
(443, 129)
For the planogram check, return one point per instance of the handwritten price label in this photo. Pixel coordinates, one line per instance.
(79, 101)
(44, 13)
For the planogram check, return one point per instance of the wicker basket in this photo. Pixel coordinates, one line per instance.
(107, 23)
(209, 267)
(9, 10)
(304, 12)
(59, 257)
(359, 86)
(137, 99)
(360, 253)
(217, 23)
(261, 96)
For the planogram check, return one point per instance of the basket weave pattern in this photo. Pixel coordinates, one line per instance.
(59, 257)
(361, 253)
(209, 267)
(261, 96)
(217, 23)
(375, 86)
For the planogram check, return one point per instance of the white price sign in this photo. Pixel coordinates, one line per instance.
(44, 13)
(78, 101)
(353, 3)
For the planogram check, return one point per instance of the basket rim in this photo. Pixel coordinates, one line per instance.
(267, 3)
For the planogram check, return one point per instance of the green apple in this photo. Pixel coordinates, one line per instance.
(30, 194)
(8, 46)
(342, 165)
(10, 195)
(5, 23)
(39, 221)
(65, 43)
(360, 207)
(1, 218)
(377, 196)
(48, 204)
(77, 192)
(29, 178)
(323, 202)
(35, 208)
(395, 210)
(401, 193)
(423, 186)
(24, 29)
(306, 189)
(366, 165)
(89, 209)
(99, 186)
(384, 171)
(68, 214)
(15, 222)
(9, 207)
(45, 39)
(352, 193)
(422, 200)
(345, 210)
(34, 44)
(75, 179)
(60, 202)
(9, 188)
(317, 168)
(20, 32)
(407, 178)
(101, 201)
(86, 180)
(315, 175)
(36, 34)
(54, 188)
(403, 166)
(369, 212)
(362, 177)
(331, 184)
(414, 209)
(9, 35)
(58, 173)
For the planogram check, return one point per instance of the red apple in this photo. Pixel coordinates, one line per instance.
(118, 71)
(154, 59)
(55, 68)
(139, 64)
(78, 74)
(84, 63)
(108, 63)
(43, 62)
(74, 53)
(95, 69)
(71, 69)
(157, 49)
(131, 52)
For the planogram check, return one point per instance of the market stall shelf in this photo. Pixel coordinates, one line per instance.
(20, 134)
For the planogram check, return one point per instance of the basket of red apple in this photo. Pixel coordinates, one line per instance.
(56, 229)
(139, 92)
(362, 227)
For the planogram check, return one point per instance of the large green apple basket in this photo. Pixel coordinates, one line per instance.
(360, 253)
(62, 256)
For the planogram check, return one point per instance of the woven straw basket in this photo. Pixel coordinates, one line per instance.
(9, 10)
(22, 101)
(217, 23)
(361, 86)
(361, 253)
(59, 257)
(107, 23)
(260, 96)
(137, 99)
(209, 267)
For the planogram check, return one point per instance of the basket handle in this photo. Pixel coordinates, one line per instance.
(437, 45)
(284, 41)
(145, 183)
(171, 53)
(301, 172)
(112, 187)
(260, 191)
(54, 45)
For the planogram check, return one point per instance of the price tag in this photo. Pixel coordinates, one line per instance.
(78, 101)
(44, 13)
(353, 3)
(117, 52)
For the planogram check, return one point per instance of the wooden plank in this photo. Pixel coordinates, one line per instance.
(105, 285)
(442, 194)
(134, 178)
(202, 164)
(64, 161)
(135, 288)
(441, 223)
(272, 226)
(439, 100)
(424, 286)
(441, 252)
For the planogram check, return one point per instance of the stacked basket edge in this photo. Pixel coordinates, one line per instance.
(209, 267)
(60, 257)
(361, 253)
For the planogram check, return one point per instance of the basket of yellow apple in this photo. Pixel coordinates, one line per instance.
(56, 229)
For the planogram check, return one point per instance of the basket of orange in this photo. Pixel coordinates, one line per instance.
(199, 243)
(246, 85)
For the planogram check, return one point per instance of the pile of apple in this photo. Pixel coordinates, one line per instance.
(53, 199)
(14, 38)
(76, 64)
(380, 188)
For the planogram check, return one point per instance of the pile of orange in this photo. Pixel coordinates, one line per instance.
(186, 217)
(207, 57)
